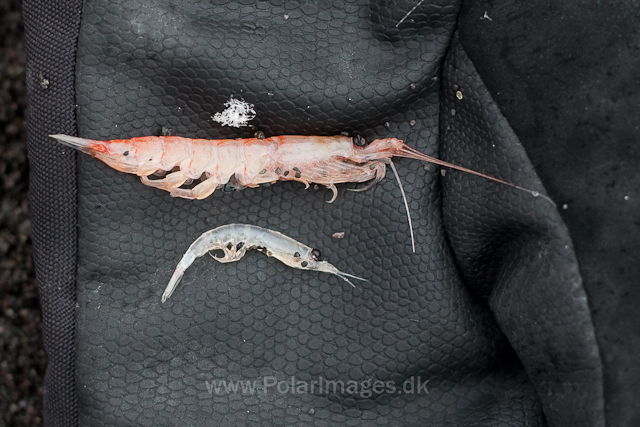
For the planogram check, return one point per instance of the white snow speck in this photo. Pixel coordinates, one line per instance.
(237, 114)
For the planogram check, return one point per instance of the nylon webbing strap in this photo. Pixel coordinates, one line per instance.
(51, 38)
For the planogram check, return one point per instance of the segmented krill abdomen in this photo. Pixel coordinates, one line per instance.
(258, 164)
(201, 158)
(225, 160)
(175, 150)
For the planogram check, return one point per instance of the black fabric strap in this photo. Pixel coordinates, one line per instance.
(51, 38)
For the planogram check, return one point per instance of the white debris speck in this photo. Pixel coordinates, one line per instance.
(565, 207)
(286, 17)
(339, 235)
(486, 16)
(627, 197)
(237, 114)
(44, 82)
(459, 95)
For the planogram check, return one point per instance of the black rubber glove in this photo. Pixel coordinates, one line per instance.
(489, 311)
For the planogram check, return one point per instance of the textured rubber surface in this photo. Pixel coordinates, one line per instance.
(51, 30)
(565, 75)
(431, 316)
(517, 255)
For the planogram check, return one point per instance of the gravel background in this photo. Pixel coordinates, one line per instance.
(22, 355)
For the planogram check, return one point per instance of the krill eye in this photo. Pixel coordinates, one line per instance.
(360, 141)
(316, 254)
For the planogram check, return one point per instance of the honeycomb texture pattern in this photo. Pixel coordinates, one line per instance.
(309, 68)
